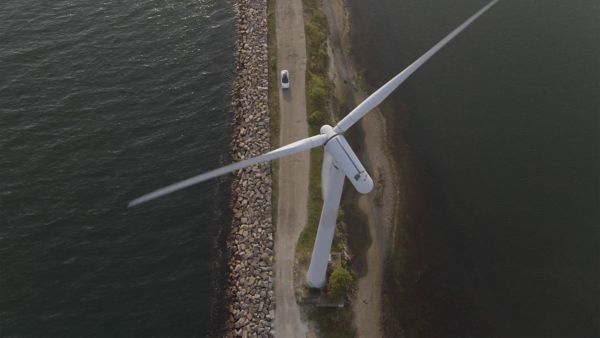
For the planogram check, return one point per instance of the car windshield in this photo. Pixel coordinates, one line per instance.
(284, 79)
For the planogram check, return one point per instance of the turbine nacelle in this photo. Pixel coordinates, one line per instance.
(336, 145)
(339, 161)
(346, 160)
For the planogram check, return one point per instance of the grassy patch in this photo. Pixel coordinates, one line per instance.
(315, 203)
(318, 86)
(333, 323)
(379, 185)
(273, 103)
(318, 98)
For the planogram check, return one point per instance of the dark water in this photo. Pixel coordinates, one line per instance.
(101, 102)
(499, 136)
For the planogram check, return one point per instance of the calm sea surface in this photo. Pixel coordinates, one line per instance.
(499, 135)
(100, 102)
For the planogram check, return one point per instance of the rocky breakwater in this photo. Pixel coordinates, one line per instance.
(250, 242)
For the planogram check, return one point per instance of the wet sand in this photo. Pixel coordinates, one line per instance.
(378, 207)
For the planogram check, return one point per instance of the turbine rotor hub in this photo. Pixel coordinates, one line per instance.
(327, 130)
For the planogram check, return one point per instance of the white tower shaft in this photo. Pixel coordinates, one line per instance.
(340, 161)
(331, 203)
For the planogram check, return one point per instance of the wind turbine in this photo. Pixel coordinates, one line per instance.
(339, 161)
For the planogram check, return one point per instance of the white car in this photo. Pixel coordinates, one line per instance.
(285, 79)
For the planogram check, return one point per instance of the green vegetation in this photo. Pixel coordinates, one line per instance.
(317, 118)
(318, 99)
(317, 94)
(333, 323)
(317, 31)
(273, 102)
(379, 189)
(315, 203)
(318, 85)
(340, 282)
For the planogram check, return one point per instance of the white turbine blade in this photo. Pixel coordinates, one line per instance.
(331, 202)
(377, 97)
(292, 148)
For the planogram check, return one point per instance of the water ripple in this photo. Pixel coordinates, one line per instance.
(101, 102)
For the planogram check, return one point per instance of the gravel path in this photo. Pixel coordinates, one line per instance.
(293, 170)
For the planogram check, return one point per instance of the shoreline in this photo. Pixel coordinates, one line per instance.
(250, 295)
(250, 243)
(379, 211)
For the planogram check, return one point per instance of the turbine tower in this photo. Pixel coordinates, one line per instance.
(339, 161)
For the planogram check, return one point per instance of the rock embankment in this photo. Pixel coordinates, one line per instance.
(250, 243)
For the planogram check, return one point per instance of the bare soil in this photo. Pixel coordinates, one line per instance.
(367, 303)
(293, 170)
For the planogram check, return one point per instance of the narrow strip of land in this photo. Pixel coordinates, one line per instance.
(293, 170)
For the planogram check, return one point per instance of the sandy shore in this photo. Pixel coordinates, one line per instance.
(367, 303)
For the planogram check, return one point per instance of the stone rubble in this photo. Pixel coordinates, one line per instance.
(250, 243)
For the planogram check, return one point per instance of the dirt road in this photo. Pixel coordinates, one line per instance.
(293, 170)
